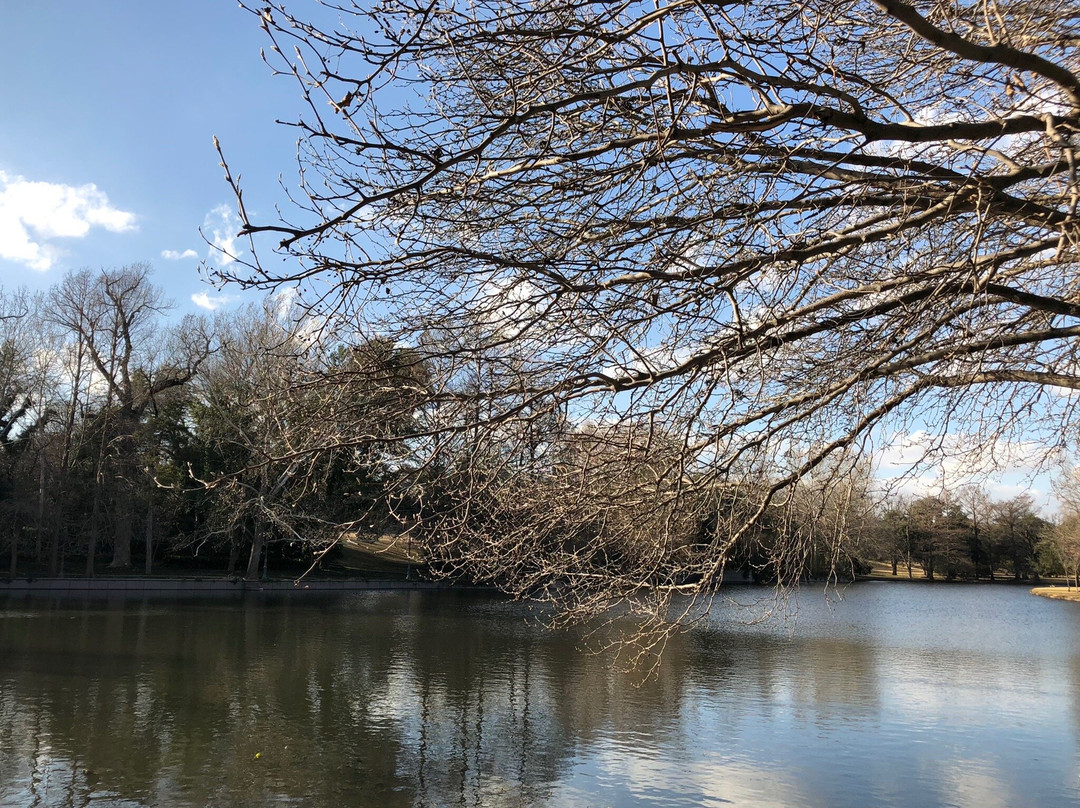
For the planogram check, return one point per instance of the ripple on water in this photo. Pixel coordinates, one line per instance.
(898, 695)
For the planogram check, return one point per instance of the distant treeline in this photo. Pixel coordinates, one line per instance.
(128, 439)
(965, 535)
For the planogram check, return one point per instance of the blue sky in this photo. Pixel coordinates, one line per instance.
(106, 153)
(108, 112)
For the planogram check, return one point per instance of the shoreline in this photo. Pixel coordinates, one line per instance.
(195, 585)
(1057, 593)
(1048, 583)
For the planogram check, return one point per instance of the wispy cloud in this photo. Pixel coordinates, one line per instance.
(176, 255)
(33, 214)
(283, 301)
(915, 464)
(205, 300)
(958, 457)
(220, 228)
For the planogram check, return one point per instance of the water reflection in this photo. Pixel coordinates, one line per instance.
(411, 699)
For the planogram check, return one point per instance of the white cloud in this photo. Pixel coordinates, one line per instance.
(176, 255)
(220, 227)
(34, 213)
(205, 300)
(1003, 490)
(507, 305)
(710, 780)
(658, 359)
(919, 463)
(958, 458)
(283, 301)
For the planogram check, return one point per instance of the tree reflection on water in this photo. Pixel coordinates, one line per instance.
(410, 699)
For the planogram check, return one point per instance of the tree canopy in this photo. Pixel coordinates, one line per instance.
(732, 241)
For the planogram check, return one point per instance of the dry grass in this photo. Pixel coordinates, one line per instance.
(378, 555)
(1057, 593)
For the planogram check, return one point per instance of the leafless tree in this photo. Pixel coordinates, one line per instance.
(1017, 529)
(1064, 537)
(980, 511)
(21, 413)
(247, 417)
(831, 509)
(124, 360)
(273, 408)
(764, 234)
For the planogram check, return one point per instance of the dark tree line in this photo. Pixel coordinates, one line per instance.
(126, 437)
(964, 536)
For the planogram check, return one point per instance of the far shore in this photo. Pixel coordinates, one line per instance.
(882, 571)
(1057, 593)
(201, 585)
(181, 584)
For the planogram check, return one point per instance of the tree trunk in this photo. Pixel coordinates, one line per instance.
(122, 535)
(252, 572)
(907, 541)
(14, 552)
(234, 555)
(91, 550)
(54, 550)
(149, 536)
(41, 503)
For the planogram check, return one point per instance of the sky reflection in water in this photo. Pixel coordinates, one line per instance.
(900, 695)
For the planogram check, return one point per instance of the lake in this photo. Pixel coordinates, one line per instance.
(897, 695)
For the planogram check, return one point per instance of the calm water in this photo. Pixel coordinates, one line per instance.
(901, 695)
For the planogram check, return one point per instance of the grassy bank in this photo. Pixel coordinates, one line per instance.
(1057, 593)
(882, 571)
(369, 558)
